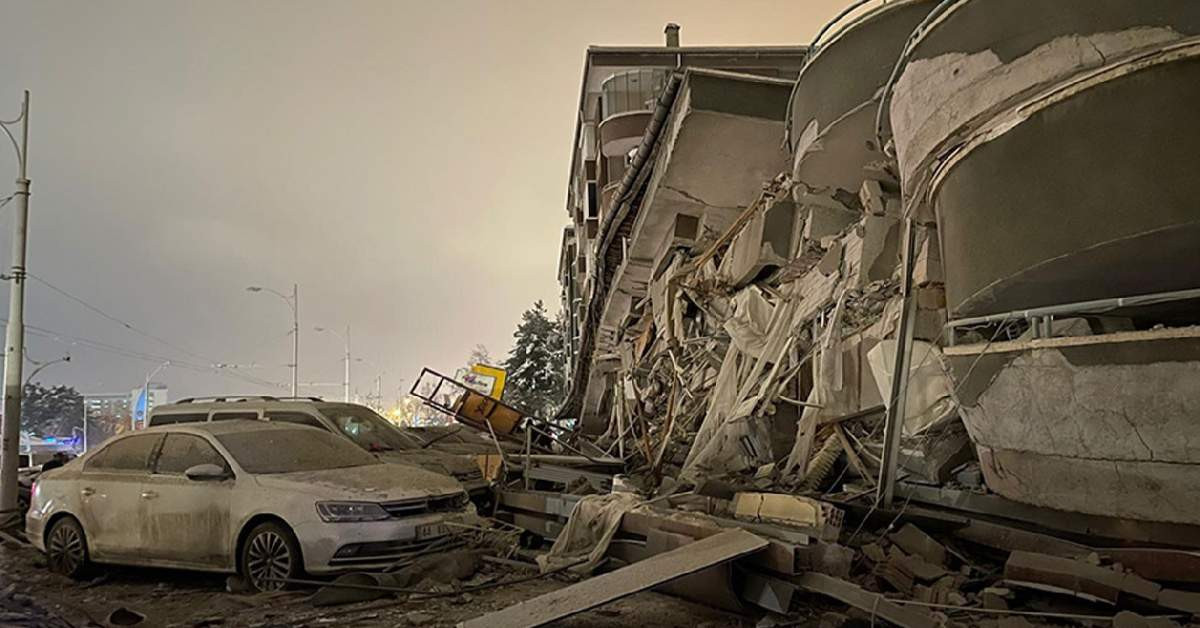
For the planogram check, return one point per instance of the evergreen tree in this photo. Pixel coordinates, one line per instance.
(535, 365)
(51, 411)
(480, 355)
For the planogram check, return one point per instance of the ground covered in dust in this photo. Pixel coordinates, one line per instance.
(36, 597)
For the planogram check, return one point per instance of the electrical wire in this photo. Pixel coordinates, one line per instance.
(122, 323)
(206, 367)
(96, 345)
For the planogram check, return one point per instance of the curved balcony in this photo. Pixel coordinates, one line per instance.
(980, 54)
(622, 132)
(832, 110)
(632, 90)
(1059, 164)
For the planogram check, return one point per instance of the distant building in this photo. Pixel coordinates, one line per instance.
(123, 406)
(101, 405)
(141, 406)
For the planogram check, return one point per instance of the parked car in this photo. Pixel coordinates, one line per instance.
(359, 424)
(267, 500)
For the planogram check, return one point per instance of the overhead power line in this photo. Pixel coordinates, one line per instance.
(127, 325)
(96, 345)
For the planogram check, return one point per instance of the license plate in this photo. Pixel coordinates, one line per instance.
(431, 530)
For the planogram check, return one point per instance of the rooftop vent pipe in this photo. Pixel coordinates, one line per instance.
(672, 31)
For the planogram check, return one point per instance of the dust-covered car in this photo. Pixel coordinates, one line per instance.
(360, 424)
(267, 500)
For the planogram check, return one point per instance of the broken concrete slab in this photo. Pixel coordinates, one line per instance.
(913, 540)
(934, 455)
(874, 604)
(880, 254)
(1078, 577)
(766, 243)
(646, 574)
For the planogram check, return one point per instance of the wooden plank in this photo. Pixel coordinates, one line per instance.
(615, 585)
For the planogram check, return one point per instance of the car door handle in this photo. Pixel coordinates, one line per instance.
(149, 494)
(87, 491)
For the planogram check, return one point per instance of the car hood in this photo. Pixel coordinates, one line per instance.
(436, 461)
(376, 482)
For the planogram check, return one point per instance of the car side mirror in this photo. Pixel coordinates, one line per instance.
(205, 473)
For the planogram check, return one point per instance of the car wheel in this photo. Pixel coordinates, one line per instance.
(66, 548)
(270, 556)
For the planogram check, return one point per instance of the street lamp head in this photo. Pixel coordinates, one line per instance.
(318, 329)
(253, 288)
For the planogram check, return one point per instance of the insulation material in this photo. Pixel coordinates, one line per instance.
(743, 440)
(748, 325)
(930, 401)
(589, 530)
(722, 399)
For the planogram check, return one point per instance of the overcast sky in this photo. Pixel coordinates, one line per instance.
(404, 162)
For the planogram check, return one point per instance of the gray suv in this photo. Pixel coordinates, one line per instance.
(358, 424)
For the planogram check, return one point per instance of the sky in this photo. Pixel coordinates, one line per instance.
(405, 163)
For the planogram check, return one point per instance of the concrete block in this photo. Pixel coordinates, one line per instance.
(831, 261)
(880, 254)
(816, 517)
(931, 297)
(764, 244)
(913, 540)
(927, 268)
(876, 200)
(827, 219)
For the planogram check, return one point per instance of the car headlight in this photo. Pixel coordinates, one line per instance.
(337, 512)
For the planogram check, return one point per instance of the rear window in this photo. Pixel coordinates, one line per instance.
(246, 415)
(298, 418)
(126, 454)
(171, 419)
(292, 450)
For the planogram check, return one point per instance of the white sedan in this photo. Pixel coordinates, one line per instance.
(270, 501)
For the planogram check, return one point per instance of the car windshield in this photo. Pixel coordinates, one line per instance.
(291, 450)
(371, 431)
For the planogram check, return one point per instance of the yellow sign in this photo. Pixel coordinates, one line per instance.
(484, 379)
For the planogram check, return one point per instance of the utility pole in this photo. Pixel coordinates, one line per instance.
(133, 416)
(295, 339)
(293, 303)
(14, 344)
(345, 357)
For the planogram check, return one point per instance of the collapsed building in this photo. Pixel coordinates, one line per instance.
(959, 219)
(934, 267)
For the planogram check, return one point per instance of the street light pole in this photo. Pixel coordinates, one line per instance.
(346, 358)
(145, 397)
(14, 344)
(65, 358)
(293, 303)
(295, 339)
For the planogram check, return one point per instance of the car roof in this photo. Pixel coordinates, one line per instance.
(218, 428)
(234, 403)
